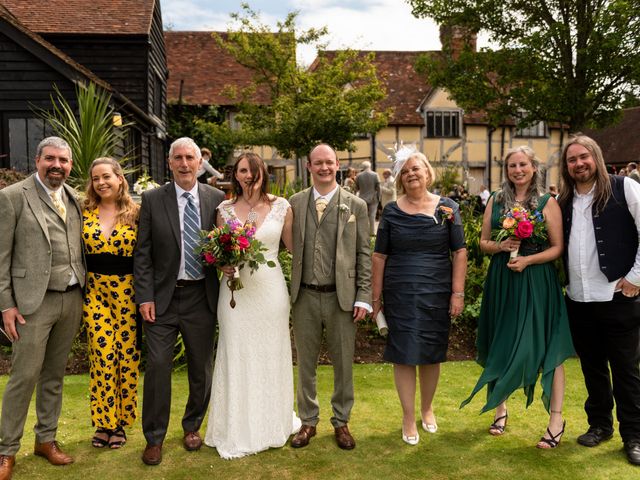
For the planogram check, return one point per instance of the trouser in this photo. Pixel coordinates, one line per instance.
(38, 362)
(311, 312)
(189, 315)
(606, 335)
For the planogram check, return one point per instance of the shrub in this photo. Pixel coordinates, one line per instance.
(9, 176)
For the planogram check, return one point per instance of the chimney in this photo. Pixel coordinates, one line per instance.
(455, 38)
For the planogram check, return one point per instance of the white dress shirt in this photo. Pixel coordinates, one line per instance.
(587, 283)
(182, 203)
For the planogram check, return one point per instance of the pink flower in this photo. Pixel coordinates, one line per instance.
(524, 229)
(209, 258)
(243, 243)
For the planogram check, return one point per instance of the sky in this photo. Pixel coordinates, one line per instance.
(356, 24)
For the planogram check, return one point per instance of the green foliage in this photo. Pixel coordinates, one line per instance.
(447, 177)
(334, 102)
(571, 62)
(91, 134)
(10, 176)
(207, 127)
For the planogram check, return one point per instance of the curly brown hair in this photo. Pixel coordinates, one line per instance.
(128, 210)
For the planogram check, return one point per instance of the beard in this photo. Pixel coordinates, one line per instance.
(55, 182)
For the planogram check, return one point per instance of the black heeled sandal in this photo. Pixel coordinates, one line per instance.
(552, 442)
(497, 430)
(119, 438)
(98, 442)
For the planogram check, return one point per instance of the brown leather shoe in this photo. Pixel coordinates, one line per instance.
(152, 454)
(301, 439)
(6, 466)
(344, 439)
(192, 441)
(51, 451)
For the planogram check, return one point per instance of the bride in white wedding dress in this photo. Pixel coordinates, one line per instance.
(251, 406)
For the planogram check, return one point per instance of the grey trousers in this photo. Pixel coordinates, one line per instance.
(312, 312)
(38, 361)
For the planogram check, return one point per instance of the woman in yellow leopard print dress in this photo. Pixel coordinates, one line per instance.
(109, 232)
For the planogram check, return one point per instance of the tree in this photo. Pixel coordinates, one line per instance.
(333, 102)
(568, 61)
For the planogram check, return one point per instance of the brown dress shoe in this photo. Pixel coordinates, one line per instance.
(6, 466)
(152, 454)
(301, 439)
(344, 439)
(192, 441)
(51, 451)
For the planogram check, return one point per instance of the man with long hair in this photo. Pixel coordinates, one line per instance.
(601, 216)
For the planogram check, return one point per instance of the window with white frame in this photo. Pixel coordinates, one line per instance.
(534, 129)
(443, 123)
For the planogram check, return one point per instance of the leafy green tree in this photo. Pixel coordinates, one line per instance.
(558, 60)
(91, 133)
(333, 102)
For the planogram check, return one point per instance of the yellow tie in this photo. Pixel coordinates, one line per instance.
(321, 204)
(57, 202)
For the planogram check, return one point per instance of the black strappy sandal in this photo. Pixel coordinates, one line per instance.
(552, 442)
(98, 442)
(497, 430)
(119, 438)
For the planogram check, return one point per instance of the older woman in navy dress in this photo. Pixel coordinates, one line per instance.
(419, 267)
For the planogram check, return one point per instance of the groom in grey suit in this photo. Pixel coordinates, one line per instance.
(42, 273)
(176, 296)
(330, 290)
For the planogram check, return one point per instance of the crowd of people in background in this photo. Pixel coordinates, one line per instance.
(124, 269)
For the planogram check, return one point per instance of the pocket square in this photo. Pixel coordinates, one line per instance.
(352, 218)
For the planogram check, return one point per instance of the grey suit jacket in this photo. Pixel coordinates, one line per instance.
(353, 252)
(368, 185)
(25, 247)
(156, 259)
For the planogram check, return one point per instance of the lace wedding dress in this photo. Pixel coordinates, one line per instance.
(251, 406)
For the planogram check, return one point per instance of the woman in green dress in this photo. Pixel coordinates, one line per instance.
(523, 329)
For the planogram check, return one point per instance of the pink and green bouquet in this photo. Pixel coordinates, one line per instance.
(521, 223)
(232, 244)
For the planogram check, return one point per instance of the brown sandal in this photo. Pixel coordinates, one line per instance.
(497, 430)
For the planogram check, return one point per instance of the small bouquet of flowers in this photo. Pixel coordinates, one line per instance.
(144, 183)
(232, 244)
(521, 223)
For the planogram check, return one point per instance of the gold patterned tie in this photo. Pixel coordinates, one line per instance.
(321, 204)
(57, 202)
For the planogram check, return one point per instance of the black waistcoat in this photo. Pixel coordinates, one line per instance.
(615, 231)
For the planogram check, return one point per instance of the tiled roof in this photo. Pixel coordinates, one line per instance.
(620, 143)
(196, 61)
(111, 17)
(405, 88)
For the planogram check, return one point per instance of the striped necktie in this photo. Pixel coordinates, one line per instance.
(191, 227)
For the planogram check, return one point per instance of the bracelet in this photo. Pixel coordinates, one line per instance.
(458, 294)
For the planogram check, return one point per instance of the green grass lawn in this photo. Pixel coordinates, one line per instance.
(461, 449)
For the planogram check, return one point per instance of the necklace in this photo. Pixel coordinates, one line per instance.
(252, 216)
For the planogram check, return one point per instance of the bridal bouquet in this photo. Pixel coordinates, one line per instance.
(232, 244)
(521, 223)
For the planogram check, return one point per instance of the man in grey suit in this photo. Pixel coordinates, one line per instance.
(41, 278)
(176, 294)
(330, 290)
(368, 187)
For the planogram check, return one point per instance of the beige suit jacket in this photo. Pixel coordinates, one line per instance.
(25, 248)
(353, 251)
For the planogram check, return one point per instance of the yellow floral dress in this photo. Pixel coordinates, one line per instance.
(109, 314)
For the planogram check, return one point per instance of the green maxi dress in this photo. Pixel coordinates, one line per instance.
(523, 329)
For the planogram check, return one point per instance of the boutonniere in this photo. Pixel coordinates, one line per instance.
(343, 207)
(446, 213)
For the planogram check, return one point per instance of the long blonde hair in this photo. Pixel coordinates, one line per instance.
(507, 195)
(128, 210)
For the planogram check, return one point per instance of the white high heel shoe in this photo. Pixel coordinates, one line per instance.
(430, 427)
(411, 440)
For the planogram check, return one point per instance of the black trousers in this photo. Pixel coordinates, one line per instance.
(606, 335)
(189, 314)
